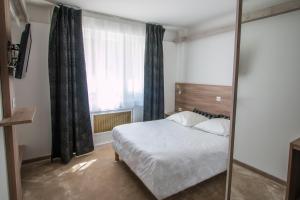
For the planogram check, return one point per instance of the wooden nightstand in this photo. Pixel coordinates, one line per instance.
(293, 182)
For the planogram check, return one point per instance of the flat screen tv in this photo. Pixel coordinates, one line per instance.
(24, 52)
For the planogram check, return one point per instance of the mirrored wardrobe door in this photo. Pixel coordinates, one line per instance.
(267, 105)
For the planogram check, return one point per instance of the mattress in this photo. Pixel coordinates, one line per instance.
(169, 157)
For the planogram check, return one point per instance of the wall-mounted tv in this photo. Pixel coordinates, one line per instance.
(24, 52)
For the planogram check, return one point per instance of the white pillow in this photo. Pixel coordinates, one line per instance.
(187, 118)
(218, 126)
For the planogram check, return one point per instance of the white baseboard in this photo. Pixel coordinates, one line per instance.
(102, 138)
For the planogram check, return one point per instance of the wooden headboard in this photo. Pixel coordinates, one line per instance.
(203, 97)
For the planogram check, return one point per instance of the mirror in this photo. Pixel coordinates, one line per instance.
(267, 104)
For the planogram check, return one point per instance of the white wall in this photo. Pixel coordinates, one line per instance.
(4, 195)
(33, 90)
(268, 110)
(210, 60)
(207, 60)
(214, 23)
(170, 72)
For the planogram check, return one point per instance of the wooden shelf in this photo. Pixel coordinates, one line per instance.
(20, 116)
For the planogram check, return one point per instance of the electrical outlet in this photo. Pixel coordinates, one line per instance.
(218, 98)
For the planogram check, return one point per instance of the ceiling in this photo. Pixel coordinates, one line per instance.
(179, 13)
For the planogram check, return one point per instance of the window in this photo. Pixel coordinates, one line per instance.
(114, 55)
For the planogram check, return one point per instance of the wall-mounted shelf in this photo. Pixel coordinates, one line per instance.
(20, 116)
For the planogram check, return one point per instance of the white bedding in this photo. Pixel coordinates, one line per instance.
(169, 157)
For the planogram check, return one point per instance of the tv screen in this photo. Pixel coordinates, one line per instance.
(24, 52)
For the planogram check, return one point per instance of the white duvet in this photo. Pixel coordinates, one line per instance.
(169, 157)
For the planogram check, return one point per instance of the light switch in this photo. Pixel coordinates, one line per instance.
(218, 98)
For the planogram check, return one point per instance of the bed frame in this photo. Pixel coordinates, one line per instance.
(189, 96)
(214, 99)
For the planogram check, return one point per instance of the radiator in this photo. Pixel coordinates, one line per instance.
(107, 121)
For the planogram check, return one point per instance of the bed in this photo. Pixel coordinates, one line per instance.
(168, 157)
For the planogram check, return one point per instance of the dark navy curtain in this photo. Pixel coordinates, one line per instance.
(154, 73)
(71, 126)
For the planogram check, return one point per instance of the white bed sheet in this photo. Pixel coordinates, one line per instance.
(169, 157)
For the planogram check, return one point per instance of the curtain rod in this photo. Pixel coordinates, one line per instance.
(88, 12)
(57, 4)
